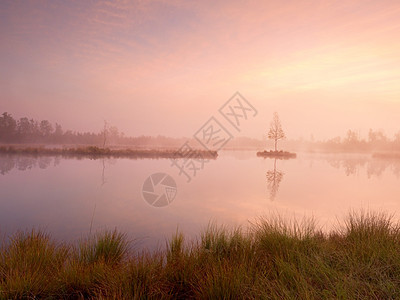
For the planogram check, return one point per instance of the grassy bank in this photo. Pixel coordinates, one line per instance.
(274, 260)
(96, 152)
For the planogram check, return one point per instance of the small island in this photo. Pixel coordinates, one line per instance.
(277, 154)
(276, 133)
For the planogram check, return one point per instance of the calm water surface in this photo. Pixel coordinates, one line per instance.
(67, 197)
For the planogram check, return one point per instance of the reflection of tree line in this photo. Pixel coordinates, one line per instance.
(23, 163)
(373, 167)
(28, 162)
(350, 166)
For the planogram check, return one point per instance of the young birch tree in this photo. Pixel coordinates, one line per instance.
(275, 131)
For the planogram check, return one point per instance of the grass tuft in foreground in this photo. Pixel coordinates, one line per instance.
(275, 259)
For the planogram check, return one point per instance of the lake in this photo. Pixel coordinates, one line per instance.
(69, 198)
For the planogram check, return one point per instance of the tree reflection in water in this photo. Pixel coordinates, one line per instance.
(274, 178)
(24, 163)
(373, 167)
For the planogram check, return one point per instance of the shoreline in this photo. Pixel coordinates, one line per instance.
(97, 152)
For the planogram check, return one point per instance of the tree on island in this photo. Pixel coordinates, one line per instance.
(275, 131)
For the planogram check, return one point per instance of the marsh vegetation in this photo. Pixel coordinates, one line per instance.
(95, 152)
(277, 154)
(274, 259)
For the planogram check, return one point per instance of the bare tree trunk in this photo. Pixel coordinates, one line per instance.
(105, 134)
(276, 141)
(104, 139)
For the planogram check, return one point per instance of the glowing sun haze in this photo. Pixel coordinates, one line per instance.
(164, 67)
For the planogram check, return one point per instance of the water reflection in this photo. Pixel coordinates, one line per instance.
(105, 162)
(82, 196)
(373, 167)
(103, 177)
(24, 163)
(352, 165)
(274, 178)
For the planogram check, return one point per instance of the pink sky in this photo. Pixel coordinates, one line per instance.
(165, 67)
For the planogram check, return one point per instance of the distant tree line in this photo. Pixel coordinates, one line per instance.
(376, 140)
(26, 131)
(352, 141)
